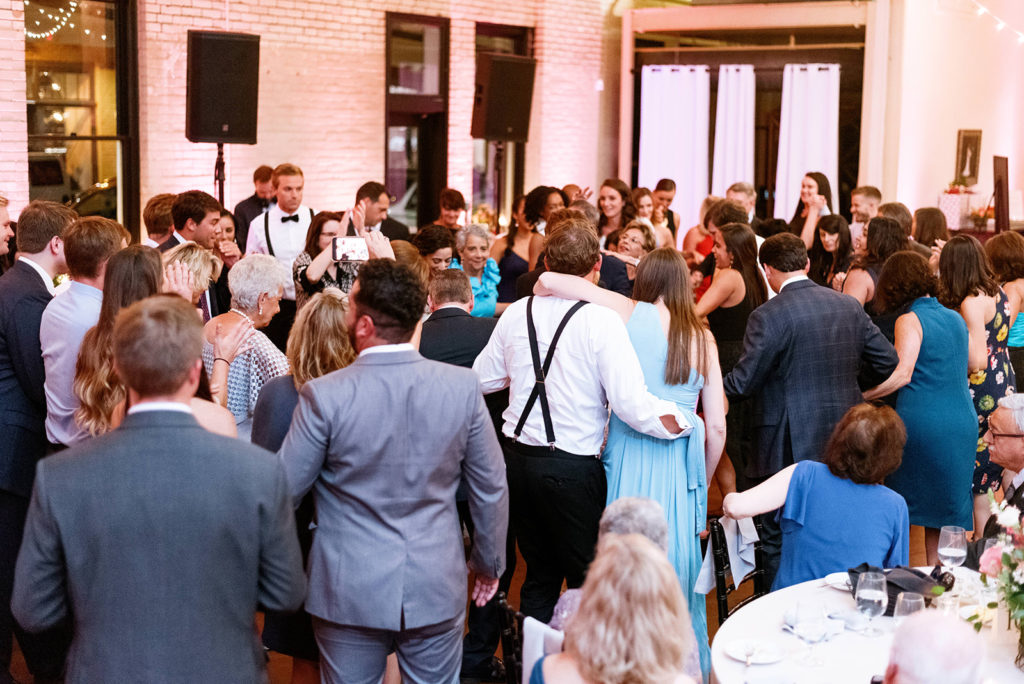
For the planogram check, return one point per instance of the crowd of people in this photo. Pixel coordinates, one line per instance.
(238, 415)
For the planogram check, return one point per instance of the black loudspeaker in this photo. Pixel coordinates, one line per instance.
(504, 92)
(222, 88)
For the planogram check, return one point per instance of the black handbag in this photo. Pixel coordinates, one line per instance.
(905, 579)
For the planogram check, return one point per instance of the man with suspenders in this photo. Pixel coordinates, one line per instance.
(281, 232)
(558, 408)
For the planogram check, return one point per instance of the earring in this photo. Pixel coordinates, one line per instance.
(261, 310)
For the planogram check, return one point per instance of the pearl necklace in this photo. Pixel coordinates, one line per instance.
(243, 315)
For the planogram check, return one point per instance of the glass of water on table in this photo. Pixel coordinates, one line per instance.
(953, 549)
(872, 599)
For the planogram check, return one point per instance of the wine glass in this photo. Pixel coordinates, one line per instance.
(907, 603)
(811, 627)
(952, 546)
(871, 598)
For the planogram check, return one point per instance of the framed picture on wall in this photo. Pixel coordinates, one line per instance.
(968, 156)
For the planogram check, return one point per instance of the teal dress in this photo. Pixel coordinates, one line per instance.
(485, 289)
(942, 427)
(669, 471)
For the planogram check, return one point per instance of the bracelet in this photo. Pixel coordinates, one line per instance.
(221, 358)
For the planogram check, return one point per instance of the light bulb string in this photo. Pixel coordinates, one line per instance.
(1001, 23)
(61, 16)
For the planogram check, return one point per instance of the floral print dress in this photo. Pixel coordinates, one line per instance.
(987, 386)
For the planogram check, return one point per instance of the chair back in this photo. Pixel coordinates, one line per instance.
(511, 622)
(723, 570)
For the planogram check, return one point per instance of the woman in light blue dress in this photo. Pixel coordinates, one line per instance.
(680, 364)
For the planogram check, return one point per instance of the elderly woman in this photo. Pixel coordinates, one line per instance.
(318, 344)
(630, 515)
(257, 283)
(819, 534)
(473, 244)
(631, 625)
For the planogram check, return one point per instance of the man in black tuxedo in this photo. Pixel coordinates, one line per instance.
(452, 335)
(802, 352)
(375, 201)
(196, 217)
(25, 290)
(664, 192)
(255, 204)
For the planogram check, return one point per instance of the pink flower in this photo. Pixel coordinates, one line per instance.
(991, 562)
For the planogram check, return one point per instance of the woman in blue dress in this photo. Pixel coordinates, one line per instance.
(680, 363)
(473, 244)
(934, 402)
(836, 515)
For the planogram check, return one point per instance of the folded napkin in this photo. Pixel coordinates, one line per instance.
(539, 640)
(740, 537)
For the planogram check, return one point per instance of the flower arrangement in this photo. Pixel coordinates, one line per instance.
(1003, 564)
(958, 187)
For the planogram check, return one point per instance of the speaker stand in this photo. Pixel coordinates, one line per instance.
(499, 175)
(218, 173)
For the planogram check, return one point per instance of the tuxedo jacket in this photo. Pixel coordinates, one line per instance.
(160, 541)
(802, 353)
(387, 552)
(23, 297)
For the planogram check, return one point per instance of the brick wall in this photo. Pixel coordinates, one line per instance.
(322, 85)
(13, 124)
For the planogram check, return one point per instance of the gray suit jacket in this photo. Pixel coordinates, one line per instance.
(159, 540)
(383, 444)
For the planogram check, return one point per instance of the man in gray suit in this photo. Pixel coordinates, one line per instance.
(159, 540)
(383, 444)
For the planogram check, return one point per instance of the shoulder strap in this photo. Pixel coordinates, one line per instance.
(266, 231)
(540, 371)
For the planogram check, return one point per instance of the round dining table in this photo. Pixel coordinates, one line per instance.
(848, 656)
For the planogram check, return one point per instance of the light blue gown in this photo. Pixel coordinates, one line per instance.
(669, 471)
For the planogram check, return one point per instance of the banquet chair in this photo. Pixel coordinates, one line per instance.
(511, 622)
(723, 582)
(539, 640)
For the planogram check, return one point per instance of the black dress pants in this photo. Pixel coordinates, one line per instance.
(44, 652)
(555, 504)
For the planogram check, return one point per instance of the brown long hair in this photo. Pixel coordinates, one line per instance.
(318, 343)
(316, 226)
(964, 271)
(132, 274)
(663, 274)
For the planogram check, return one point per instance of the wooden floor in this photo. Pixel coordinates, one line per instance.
(280, 666)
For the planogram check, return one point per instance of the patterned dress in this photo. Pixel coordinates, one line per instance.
(987, 386)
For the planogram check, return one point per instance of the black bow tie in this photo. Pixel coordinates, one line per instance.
(293, 217)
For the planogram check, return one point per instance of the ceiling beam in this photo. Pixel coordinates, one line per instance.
(739, 17)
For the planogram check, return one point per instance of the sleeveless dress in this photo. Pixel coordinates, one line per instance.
(987, 386)
(935, 474)
(728, 326)
(669, 471)
(510, 268)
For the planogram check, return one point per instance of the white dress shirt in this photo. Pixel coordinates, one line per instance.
(64, 323)
(150, 242)
(386, 348)
(287, 237)
(792, 279)
(594, 366)
(147, 406)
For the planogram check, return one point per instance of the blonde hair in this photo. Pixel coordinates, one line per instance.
(3, 201)
(631, 624)
(407, 255)
(318, 343)
(205, 267)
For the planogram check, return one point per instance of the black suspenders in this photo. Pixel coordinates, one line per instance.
(540, 372)
(266, 229)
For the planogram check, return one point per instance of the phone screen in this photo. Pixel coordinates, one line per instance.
(349, 249)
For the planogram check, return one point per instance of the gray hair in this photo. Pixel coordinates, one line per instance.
(472, 230)
(1014, 403)
(954, 651)
(588, 210)
(254, 275)
(743, 188)
(636, 515)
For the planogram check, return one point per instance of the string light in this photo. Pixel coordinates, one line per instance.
(60, 20)
(1000, 23)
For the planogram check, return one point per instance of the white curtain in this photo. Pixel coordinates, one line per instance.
(734, 128)
(808, 132)
(674, 116)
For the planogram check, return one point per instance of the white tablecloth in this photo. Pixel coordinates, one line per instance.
(848, 657)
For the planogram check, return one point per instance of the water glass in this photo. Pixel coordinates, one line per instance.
(811, 626)
(907, 603)
(952, 546)
(872, 598)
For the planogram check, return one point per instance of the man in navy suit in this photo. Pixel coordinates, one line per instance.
(802, 352)
(25, 290)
